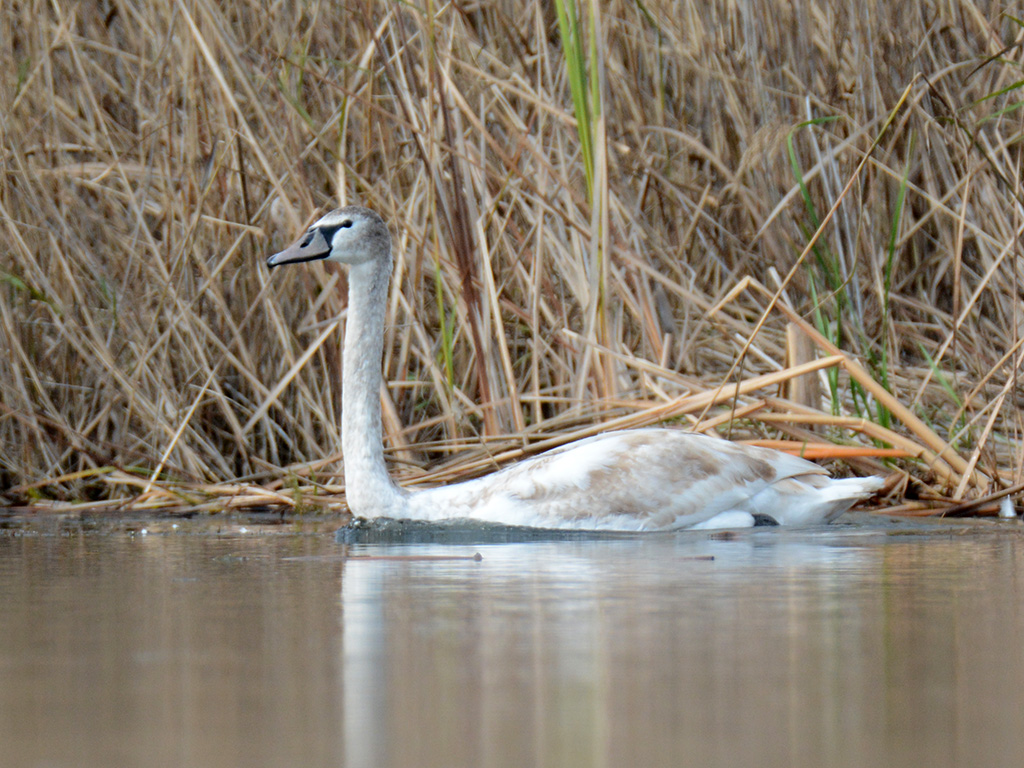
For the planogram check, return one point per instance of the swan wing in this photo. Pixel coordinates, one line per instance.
(646, 479)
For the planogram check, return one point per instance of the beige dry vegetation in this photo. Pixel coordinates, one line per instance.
(639, 255)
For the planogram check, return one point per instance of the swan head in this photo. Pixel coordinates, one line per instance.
(350, 235)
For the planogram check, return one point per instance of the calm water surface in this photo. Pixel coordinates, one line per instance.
(846, 646)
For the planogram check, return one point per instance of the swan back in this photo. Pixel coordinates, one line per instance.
(649, 479)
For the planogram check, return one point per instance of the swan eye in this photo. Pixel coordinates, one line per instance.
(345, 224)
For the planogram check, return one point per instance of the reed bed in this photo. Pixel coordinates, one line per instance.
(776, 221)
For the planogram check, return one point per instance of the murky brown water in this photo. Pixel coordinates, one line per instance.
(842, 647)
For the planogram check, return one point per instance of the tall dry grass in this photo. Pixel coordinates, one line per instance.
(607, 214)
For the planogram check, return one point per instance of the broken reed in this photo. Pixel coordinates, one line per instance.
(606, 214)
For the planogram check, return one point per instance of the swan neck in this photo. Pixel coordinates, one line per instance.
(368, 488)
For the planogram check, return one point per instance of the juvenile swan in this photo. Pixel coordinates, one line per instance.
(636, 480)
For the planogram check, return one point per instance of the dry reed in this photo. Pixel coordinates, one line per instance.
(625, 235)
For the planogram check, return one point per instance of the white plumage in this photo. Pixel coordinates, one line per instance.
(644, 479)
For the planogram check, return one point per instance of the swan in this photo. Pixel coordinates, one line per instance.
(631, 480)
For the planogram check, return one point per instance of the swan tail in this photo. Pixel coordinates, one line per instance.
(814, 499)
